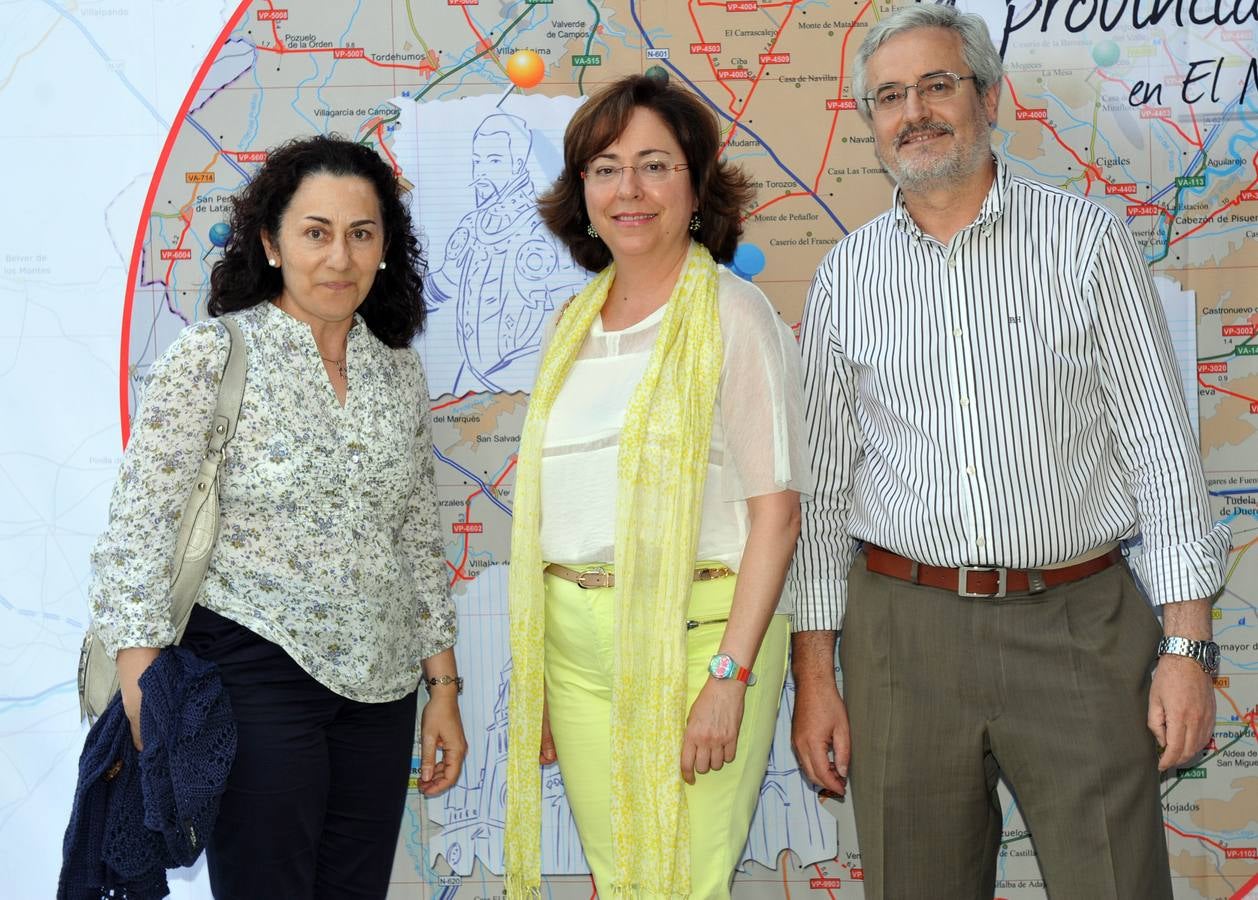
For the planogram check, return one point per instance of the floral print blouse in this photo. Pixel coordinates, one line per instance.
(329, 543)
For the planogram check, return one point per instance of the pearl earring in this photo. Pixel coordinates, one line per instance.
(270, 261)
(383, 265)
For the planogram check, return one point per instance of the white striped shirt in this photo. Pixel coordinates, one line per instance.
(1008, 399)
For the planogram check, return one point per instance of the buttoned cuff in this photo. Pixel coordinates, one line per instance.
(1179, 572)
(819, 605)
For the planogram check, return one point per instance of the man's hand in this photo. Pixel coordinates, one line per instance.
(1181, 709)
(819, 728)
(1181, 699)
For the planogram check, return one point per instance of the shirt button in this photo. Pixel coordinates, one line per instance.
(956, 332)
(354, 457)
(965, 401)
(969, 470)
(952, 262)
(980, 542)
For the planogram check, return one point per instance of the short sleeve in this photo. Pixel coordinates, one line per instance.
(761, 398)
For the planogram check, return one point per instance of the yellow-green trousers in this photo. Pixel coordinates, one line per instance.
(579, 662)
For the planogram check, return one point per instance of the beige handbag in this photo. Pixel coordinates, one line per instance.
(198, 529)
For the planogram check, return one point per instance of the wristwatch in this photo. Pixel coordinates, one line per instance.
(1204, 653)
(722, 666)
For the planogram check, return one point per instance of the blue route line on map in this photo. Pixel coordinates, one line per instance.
(217, 146)
(633, 11)
(64, 13)
(1234, 491)
(35, 698)
(486, 489)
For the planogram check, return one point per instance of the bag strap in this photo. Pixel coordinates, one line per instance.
(231, 395)
(231, 392)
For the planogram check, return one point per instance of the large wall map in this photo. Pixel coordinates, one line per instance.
(1150, 112)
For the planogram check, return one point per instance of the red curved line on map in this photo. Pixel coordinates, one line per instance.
(1248, 889)
(124, 354)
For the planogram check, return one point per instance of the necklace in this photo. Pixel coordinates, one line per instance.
(339, 363)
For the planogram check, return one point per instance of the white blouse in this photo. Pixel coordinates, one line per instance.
(758, 441)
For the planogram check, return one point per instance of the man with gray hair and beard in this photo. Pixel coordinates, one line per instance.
(995, 422)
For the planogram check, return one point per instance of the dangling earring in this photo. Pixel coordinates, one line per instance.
(383, 265)
(589, 229)
(272, 262)
(695, 223)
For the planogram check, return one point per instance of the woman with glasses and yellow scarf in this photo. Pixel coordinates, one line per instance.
(656, 511)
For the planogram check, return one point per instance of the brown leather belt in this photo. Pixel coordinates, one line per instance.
(983, 581)
(601, 578)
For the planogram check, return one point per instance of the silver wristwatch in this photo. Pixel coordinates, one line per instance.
(1204, 653)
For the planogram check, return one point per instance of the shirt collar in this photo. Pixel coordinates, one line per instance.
(296, 328)
(994, 204)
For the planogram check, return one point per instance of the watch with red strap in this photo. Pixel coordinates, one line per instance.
(722, 667)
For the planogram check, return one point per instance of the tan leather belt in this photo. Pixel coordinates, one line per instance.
(601, 578)
(984, 581)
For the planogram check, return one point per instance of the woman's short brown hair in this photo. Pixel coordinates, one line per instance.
(723, 191)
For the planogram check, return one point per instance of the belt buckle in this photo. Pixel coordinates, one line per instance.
(963, 581)
(599, 575)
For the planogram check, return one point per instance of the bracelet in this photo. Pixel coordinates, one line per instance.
(444, 679)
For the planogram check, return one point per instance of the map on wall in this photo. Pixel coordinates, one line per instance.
(1146, 112)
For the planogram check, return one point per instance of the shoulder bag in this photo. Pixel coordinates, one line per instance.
(198, 530)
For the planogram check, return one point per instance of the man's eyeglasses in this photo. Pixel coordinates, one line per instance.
(653, 170)
(930, 88)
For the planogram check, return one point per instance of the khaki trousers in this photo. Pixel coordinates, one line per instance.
(946, 693)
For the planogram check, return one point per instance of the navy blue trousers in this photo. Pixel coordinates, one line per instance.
(314, 801)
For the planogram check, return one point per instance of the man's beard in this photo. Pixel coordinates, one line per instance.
(939, 171)
(485, 190)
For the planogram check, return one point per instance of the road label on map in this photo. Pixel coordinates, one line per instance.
(732, 74)
(774, 59)
(705, 48)
(198, 177)
(1239, 330)
(1212, 368)
(467, 527)
(1126, 189)
(1039, 115)
(272, 15)
(176, 253)
(841, 103)
(1144, 209)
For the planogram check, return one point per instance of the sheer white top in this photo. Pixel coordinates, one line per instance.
(758, 442)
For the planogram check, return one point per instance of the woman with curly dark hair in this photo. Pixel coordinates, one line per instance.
(656, 509)
(326, 601)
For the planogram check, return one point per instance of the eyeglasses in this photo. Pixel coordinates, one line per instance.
(932, 88)
(653, 170)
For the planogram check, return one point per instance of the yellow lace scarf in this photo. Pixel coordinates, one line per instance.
(662, 466)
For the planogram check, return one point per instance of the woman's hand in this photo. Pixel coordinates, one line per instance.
(132, 661)
(547, 755)
(441, 728)
(712, 728)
